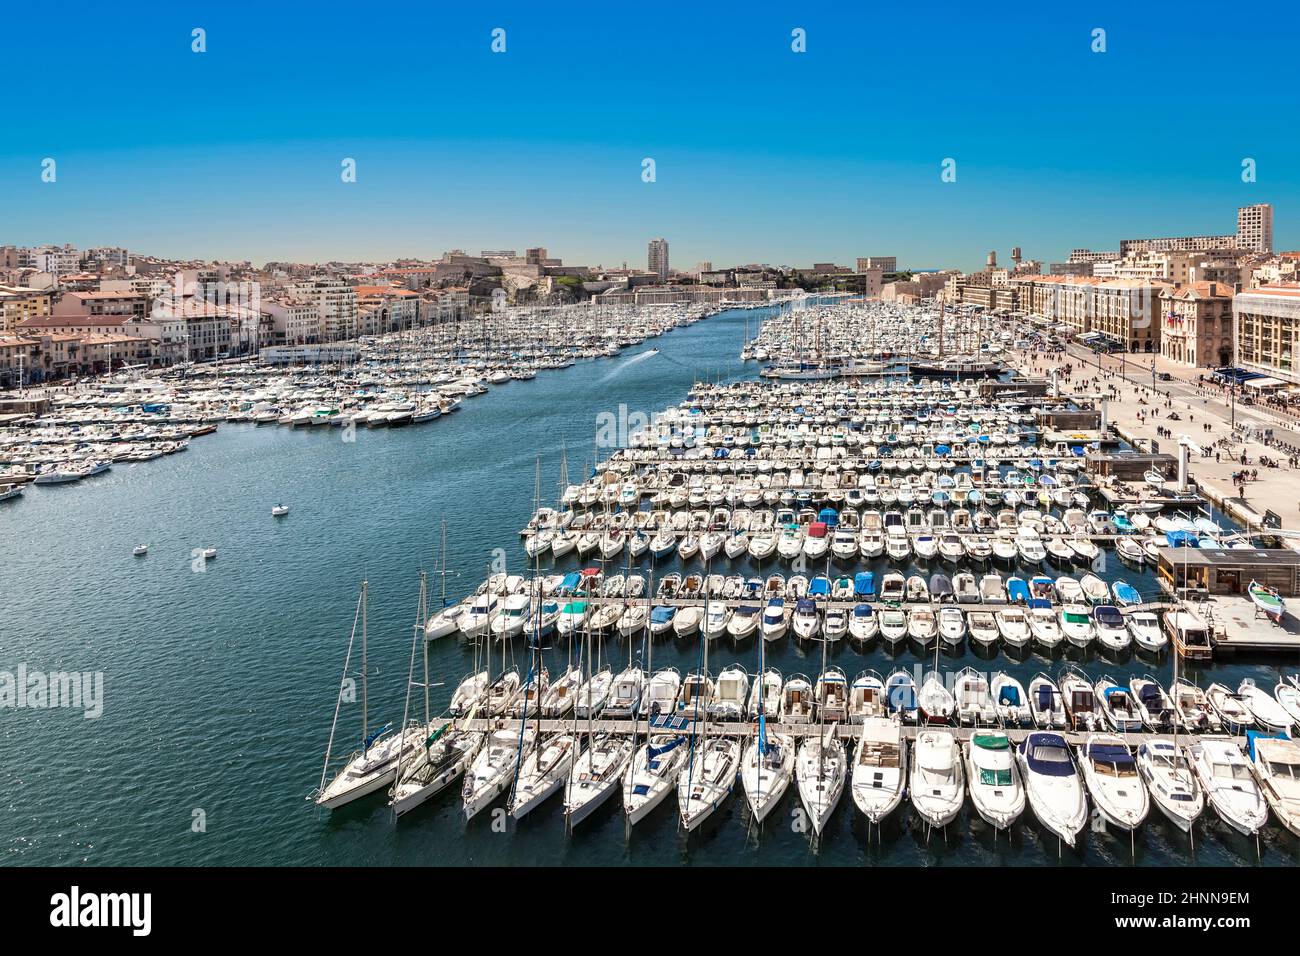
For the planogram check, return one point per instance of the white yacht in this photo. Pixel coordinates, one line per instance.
(1052, 784)
(879, 768)
(1111, 775)
(937, 783)
(994, 779)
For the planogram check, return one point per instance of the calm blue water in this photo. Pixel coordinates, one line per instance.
(219, 686)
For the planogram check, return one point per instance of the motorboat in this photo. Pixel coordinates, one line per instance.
(1013, 626)
(1229, 786)
(797, 703)
(1171, 782)
(765, 695)
(1192, 708)
(1231, 710)
(1144, 627)
(1046, 703)
(661, 692)
(1076, 625)
(1081, 707)
(1108, 625)
(730, 694)
(776, 619)
(879, 768)
(952, 625)
(1055, 792)
(1276, 762)
(1010, 702)
(1117, 705)
(994, 779)
(625, 694)
(936, 782)
(864, 624)
(973, 697)
(1153, 704)
(1112, 778)
(1267, 712)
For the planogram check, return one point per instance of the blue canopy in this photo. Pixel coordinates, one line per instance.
(829, 516)
(1178, 539)
(1108, 614)
(804, 606)
(1009, 695)
(1127, 593)
(864, 583)
(1253, 735)
(1040, 603)
(662, 615)
(1017, 589)
(570, 581)
(820, 586)
(862, 610)
(1110, 753)
(1048, 755)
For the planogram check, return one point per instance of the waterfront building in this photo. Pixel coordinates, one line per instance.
(294, 321)
(99, 302)
(1196, 324)
(336, 301)
(658, 257)
(1267, 321)
(883, 263)
(1127, 311)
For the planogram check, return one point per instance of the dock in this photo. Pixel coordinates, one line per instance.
(844, 731)
(1246, 629)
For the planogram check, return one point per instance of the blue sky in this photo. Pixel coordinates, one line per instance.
(761, 154)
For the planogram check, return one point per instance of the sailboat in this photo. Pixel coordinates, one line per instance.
(768, 762)
(374, 766)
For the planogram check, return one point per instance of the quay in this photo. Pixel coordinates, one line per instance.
(748, 728)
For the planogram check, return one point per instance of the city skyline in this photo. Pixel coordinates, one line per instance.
(470, 151)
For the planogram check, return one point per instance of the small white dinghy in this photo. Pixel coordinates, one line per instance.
(140, 550)
(279, 511)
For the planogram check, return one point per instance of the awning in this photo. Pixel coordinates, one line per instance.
(1264, 382)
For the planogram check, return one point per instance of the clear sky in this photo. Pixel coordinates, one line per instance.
(762, 154)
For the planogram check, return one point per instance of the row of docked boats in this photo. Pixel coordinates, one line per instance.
(878, 765)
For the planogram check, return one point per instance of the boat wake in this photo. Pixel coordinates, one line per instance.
(634, 360)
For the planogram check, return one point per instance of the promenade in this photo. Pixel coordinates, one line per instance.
(1139, 409)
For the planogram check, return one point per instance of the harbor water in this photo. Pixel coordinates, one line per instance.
(220, 676)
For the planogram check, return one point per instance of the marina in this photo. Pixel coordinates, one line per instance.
(322, 531)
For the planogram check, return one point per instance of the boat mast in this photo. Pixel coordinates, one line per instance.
(338, 700)
(365, 697)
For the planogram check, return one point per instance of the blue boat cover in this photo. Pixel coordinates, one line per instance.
(661, 615)
(1127, 593)
(1110, 753)
(864, 583)
(1040, 603)
(1045, 696)
(1253, 735)
(1178, 539)
(1017, 589)
(1048, 755)
(804, 605)
(571, 580)
(1009, 695)
(862, 610)
(660, 751)
(1108, 614)
(820, 585)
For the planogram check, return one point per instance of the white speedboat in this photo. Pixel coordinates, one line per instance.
(1171, 782)
(765, 695)
(652, 774)
(1276, 762)
(1010, 702)
(973, 697)
(707, 780)
(625, 693)
(730, 694)
(1052, 784)
(477, 620)
(1046, 705)
(994, 778)
(1111, 775)
(595, 775)
(1229, 785)
(766, 771)
(879, 768)
(543, 772)
(1268, 713)
(1118, 706)
(776, 620)
(936, 782)
(820, 772)
(797, 702)
(279, 511)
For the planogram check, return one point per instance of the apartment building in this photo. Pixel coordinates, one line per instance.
(1196, 324)
(1267, 322)
(657, 257)
(883, 263)
(336, 301)
(17, 304)
(1124, 310)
